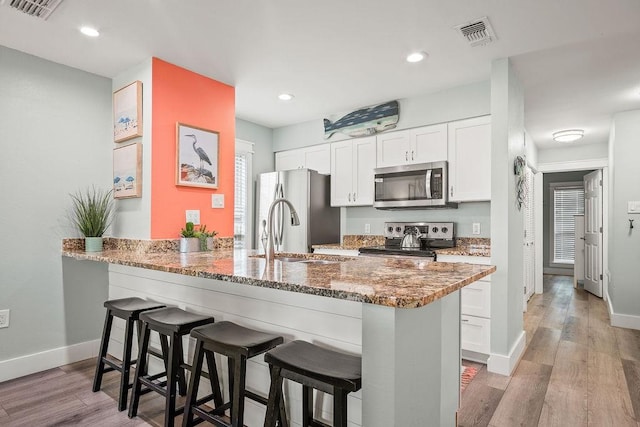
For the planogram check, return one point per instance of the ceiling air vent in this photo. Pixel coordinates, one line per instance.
(38, 8)
(477, 32)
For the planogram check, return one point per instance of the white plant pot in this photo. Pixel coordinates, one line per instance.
(189, 244)
(93, 244)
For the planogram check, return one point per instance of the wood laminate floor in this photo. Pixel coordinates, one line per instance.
(576, 371)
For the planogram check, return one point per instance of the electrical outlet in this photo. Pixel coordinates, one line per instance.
(476, 228)
(367, 228)
(4, 318)
(193, 216)
(217, 201)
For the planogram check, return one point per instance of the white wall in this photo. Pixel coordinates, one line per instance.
(624, 244)
(133, 218)
(55, 134)
(507, 134)
(447, 105)
(262, 137)
(568, 153)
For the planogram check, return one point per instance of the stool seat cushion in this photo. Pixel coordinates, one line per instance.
(227, 337)
(327, 366)
(174, 319)
(129, 306)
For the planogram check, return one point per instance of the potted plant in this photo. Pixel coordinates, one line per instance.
(189, 242)
(206, 238)
(92, 215)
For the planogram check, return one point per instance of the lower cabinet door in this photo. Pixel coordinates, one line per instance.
(475, 334)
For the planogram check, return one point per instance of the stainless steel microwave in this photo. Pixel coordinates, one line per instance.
(418, 186)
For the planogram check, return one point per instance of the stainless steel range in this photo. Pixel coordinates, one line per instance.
(414, 239)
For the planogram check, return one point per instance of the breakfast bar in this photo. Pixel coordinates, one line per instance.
(402, 316)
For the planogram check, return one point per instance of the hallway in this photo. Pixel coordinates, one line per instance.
(577, 370)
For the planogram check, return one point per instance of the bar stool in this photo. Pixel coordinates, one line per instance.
(238, 344)
(313, 367)
(172, 323)
(128, 309)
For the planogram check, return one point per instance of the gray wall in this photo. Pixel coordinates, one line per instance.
(547, 180)
(507, 135)
(55, 134)
(567, 153)
(624, 244)
(448, 105)
(133, 218)
(262, 137)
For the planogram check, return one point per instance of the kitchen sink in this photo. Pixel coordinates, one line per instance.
(290, 259)
(318, 261)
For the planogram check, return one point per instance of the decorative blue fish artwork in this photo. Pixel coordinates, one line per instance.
(365, 121)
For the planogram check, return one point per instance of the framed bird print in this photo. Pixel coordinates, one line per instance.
(127, 171)
(197, 156)
(127, 112)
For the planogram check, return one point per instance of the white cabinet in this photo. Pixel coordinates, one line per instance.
(475, 310)
(352, 164)
(420, 145)
(469, 155)
(316, 157)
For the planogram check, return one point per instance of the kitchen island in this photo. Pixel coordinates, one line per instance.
(402, 316)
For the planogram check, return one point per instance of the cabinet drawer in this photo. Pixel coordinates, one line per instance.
(476, 299)
(475, 334)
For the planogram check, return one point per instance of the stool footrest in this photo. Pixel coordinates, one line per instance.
(213, 416)
(256, 397)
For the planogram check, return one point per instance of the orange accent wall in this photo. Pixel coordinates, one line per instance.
(180, 95)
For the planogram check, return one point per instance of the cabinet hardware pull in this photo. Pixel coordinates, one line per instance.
(411, 154)
(349, 196)
(451, 194)
(406, 155)
(354, 197)
(465, 320)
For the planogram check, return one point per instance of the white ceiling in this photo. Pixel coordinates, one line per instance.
(579, 60)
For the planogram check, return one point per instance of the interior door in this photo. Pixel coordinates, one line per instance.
(529, 238)
(593, 233)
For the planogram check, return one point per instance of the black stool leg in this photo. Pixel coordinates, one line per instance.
(172, 377)
(104, 344)
(126, 366)
(237, 410)
(194, 382)
(182, 382)
(307, 406)
(140, 369)
(339, 407)
(275, 395)
(213, 379)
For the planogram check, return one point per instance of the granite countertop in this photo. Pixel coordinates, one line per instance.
(383, 281)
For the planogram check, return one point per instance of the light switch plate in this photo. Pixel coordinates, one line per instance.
(193, 216)
(476, 228)
(367, 228)
(217, 201)
(4, 318)
(633, 207)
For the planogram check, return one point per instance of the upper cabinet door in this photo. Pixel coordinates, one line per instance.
(393, 149)
(341, 173)
(470, 160)
(364, 150)
(406, 147)
(316, 157)
(428, 144)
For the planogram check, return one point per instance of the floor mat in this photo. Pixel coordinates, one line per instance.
(467, 375)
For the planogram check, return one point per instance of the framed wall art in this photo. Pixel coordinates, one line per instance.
(127, 171)
(197, 156)
(127, 112)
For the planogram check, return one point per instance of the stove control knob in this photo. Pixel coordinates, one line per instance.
(444, 229)
(390, 229)
(434, 230)
(398, 229)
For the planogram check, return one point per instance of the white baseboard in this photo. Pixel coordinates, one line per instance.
(504, 365)
(622, 320)
(37, 362)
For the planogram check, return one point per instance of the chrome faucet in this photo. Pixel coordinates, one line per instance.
(270, 252)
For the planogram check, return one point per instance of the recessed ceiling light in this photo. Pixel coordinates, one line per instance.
(285, 97)
(416, 56)
(569, 135)
(89, 31)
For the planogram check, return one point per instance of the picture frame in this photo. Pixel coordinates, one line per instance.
(197, 154)
(127, 112)
(127, 171)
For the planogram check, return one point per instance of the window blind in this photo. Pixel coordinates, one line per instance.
(240, 207)
(567, 202)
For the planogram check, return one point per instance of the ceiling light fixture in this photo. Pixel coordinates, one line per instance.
(89, 31)
(285, 97)
(568, 135)
(416, 57)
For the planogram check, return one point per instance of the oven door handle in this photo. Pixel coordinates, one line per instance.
(427, 187)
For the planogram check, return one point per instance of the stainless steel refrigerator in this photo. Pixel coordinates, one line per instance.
(309, 193)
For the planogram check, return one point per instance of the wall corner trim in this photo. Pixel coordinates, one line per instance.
(48, 359)
(505, 364)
